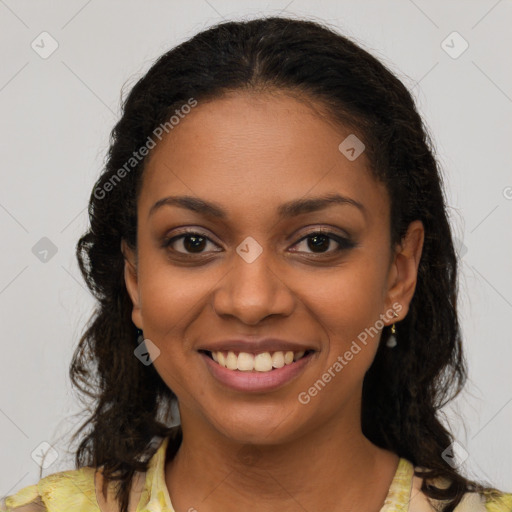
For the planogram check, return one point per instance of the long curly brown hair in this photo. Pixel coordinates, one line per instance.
(404, 388)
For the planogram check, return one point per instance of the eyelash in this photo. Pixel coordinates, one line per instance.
(343, 243)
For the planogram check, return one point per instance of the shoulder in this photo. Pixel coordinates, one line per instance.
(471, 501)
(79, 490)
(486, 502)
(501, 502)
(66, 490)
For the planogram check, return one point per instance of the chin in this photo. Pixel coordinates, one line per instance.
(262, 425)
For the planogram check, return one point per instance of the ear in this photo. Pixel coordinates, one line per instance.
(403, 273)
(131, 282)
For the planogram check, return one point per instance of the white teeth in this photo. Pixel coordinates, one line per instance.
(231, 361)
(298, 355)
(277, 359)
(245, 362)
(262, 362)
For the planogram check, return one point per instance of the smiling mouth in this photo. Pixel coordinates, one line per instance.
(260, 362)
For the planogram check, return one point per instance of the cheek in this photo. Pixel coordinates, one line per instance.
(347, 310)
(347, 300)
(348, 304)
(169, 294)
(169, 300)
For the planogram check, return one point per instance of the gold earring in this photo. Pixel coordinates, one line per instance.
(391, 341)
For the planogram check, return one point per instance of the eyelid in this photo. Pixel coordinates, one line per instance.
(325, 230)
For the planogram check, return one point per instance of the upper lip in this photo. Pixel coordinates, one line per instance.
(255, 345)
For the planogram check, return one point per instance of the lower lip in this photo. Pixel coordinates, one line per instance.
(256, 381)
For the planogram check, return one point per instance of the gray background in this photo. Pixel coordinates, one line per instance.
(57, 113)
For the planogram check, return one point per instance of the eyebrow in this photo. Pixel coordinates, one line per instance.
(286, 210)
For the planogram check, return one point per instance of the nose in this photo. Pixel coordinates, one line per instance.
(252, 291)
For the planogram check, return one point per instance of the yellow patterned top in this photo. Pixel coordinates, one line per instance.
(75, 491)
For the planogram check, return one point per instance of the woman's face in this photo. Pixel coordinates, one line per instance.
(256, 281)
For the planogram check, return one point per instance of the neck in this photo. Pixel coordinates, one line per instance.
(335, 467)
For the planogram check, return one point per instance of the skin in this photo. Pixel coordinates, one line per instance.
(251, 152)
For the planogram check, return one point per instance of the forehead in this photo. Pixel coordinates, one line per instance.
(271, 126)
(256, 148)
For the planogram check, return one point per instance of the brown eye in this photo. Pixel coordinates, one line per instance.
(320, 242)
(188, 243)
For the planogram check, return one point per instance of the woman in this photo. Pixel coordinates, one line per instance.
(269, 248)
